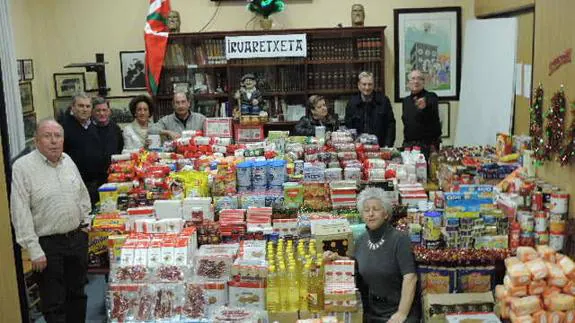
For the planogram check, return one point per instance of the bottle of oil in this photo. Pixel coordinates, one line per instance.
(283, 284)
(314, 286)
(272, 291)
(320, 280)
(303, 287)
(292, 290)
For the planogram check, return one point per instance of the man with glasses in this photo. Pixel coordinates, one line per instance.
(421, 125)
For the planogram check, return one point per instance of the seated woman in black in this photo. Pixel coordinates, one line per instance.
(317, 115)
(385, 267)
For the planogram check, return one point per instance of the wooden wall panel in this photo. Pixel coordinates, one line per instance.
(553, 34)
(493, 7)
(524, 56)
(9, 300)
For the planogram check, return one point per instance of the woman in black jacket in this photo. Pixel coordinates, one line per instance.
(317, 115)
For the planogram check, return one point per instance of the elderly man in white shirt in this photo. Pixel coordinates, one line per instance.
(49, 205)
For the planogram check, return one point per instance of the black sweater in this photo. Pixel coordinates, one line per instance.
(374, 117)
(90, 148)
(421, 125)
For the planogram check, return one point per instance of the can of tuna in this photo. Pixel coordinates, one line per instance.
(559, 202)
(541, 221)
(556, 240)
(542, 238)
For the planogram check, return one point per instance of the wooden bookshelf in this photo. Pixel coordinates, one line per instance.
(335, 56)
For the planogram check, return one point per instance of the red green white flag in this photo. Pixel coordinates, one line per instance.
(156, 39)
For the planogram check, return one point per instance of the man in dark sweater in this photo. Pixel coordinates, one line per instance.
(370, 112)
(84, 144)
(109, 132)
(421, 125)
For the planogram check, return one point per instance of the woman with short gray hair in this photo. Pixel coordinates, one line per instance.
(386, 272)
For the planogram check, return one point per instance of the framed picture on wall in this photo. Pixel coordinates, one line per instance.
(120, 106)
(429, 40)
(132, 67)
(445, 118)
(68, 84)
(26, 97)
(60, 107)
(20, 69)
(29, 125)
(27, 69)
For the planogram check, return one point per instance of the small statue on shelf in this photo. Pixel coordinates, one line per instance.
(174, 21)
(250, 101)
(357, 15)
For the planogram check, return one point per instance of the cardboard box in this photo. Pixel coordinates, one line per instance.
(243, 134)
(437, 306)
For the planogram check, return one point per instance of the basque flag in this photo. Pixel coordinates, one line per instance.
(156, 38)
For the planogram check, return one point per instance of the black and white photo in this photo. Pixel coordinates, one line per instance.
(27, 70)
(133, 72)
(26, 97)
(68, 84)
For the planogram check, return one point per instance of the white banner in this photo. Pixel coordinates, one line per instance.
(266, 46)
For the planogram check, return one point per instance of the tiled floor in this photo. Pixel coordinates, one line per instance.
(96, 288)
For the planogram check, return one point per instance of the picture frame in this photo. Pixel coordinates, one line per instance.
(60, 107)
(26, 97)
(132, 67)
(27, 70)
(444, 109)
(20, 68)
(68, 84)
(30, 123)
(120, 106)
(428, 39)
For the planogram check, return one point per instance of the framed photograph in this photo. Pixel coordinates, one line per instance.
(26, 97)
(429, 40)
(67, 84)
(61, 106)
(132, 67)
(29, 125)
(27, 69)
(20, 68)
(120, 106)
(445, 118)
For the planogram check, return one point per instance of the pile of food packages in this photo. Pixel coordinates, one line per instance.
(215, 229)
(538, 287)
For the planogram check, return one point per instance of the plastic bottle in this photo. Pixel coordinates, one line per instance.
(315, 290)
(292, 290)
(303, 287)
(421, 169)
(272, 291)
(283, 283)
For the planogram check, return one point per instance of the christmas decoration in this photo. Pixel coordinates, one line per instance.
(555, 130)
(266, 8)
(567, 154)
(536, 125)
(459, 257)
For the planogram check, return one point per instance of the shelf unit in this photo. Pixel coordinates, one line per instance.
(335, 57)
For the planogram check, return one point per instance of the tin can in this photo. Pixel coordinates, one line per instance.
(298, 167)
(542, 238)
(537, 201)
(559, 202)
(556, 240)
(557, 225)
(541, 221)
(527, 239)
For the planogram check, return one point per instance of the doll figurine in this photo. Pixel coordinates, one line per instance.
(249, 97)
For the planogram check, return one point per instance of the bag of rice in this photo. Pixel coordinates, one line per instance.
(526, 254)
(512, 290)
(500, 292)
(513, 317)
(547, 293)
(546, 252)
(561, 302)
(569, 317)
(537, 268)
(526, 305)
(540, 316)
(519, 274)
(556, 277)
(555, 317)
(536, 287)
(510, 261)
(568, 267)
(569, 288)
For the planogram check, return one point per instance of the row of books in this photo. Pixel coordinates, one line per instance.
(211, 51)
(369, 47)
(340, 78)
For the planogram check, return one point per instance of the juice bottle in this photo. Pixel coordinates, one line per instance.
(272, 291)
